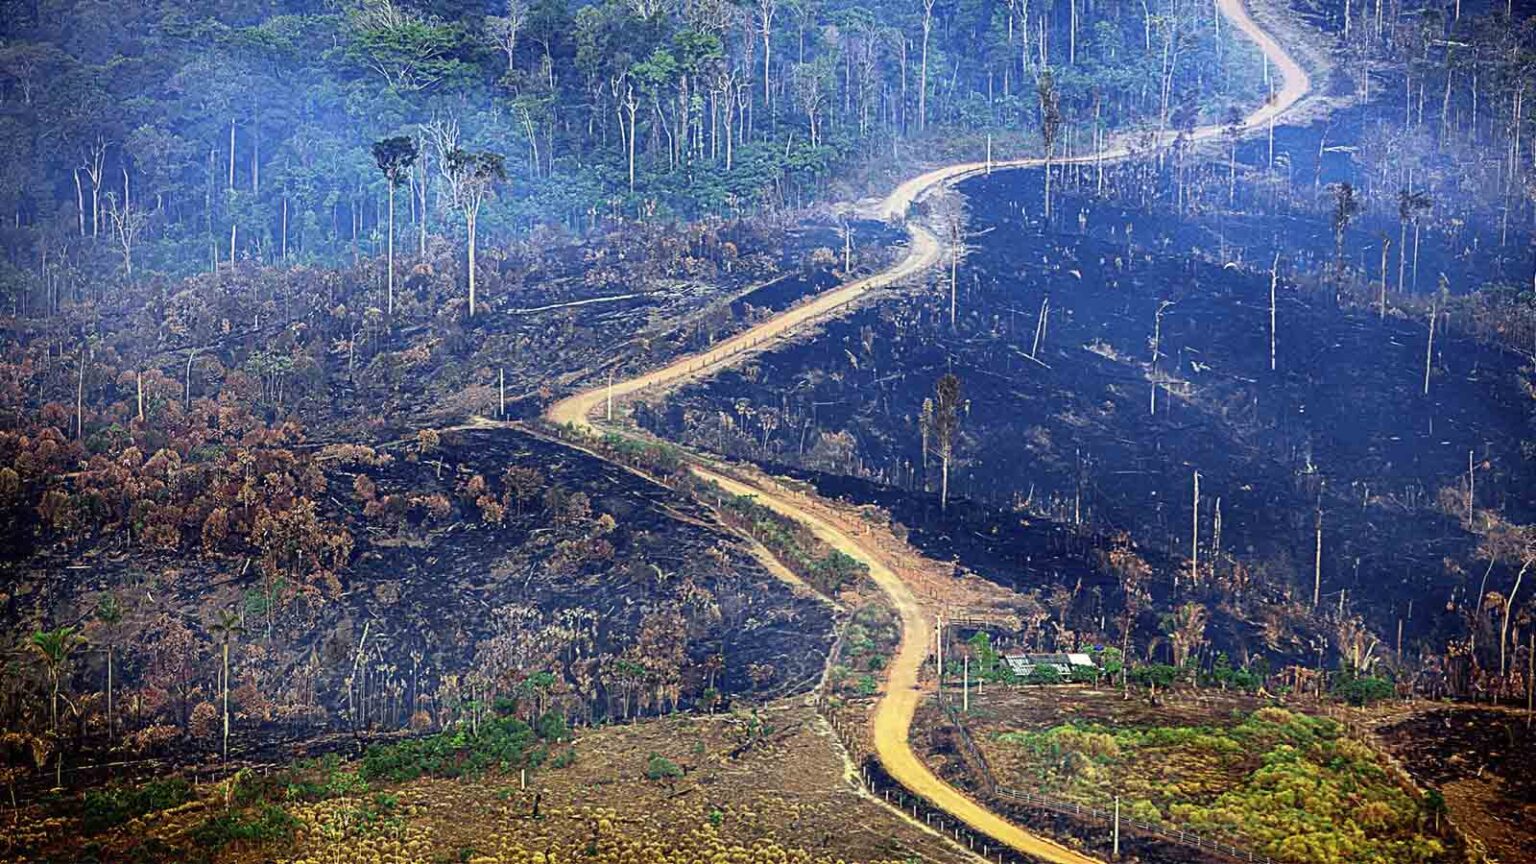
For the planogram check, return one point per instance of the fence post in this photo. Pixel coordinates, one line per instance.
(1117, 827)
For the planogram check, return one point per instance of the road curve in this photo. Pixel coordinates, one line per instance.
(898, 703)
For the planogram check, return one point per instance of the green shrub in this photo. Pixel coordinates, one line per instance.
(1155, 675)
(268, 824)
(1044, 674)
(552, 727)
(661, 768)
(110, 807)
(501, 743)
(1362, 690)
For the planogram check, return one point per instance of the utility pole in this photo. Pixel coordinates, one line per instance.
(501, 387)
(610, 396)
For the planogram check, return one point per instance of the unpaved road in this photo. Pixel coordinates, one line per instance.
(893, 712)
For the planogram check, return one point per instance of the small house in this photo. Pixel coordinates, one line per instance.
(1024, 665)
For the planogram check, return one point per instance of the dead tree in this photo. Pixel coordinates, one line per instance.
(943, 423)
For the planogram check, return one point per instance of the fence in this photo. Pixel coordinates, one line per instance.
(873, 779)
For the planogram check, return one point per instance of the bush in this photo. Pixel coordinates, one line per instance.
(267, 825)
(661, 768)
(501, 743)
(1044, 674)
(1155, 675)
(552, 727)
(1362, 690)
(108, 808)
(564, 759)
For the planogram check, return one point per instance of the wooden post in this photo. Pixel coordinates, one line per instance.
(965, 692)
(939, 643)
(1117, 826)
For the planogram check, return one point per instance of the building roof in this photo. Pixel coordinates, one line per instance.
(1058, 659)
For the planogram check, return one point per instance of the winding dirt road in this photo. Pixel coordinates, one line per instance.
(893, 713)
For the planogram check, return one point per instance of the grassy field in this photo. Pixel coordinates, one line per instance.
(749, 787)
(1280, 782)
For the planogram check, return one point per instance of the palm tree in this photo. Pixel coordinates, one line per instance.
(54, 648)
(394, 156)
(1411, 206)
(226, 629)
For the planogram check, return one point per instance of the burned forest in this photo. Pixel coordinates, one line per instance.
(1055, 432)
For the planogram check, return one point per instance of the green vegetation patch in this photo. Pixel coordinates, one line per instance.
(113, 806)
(1288, 785)
(499, 743)
(828, 570)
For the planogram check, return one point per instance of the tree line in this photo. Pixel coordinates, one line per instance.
(191, 136)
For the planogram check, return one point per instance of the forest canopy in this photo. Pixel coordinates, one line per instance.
(170, 137)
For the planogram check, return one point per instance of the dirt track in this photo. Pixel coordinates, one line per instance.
(898, 703)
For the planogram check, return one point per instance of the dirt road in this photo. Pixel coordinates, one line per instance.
(894, 711)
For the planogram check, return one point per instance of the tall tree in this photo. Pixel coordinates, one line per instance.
(472, 178)
(1050, 125)
(922, 75)
(225, 628)
(943, 425)
(1411, 207)
(109, 615)
(1346, 206)
(394, 156)
(504, 29)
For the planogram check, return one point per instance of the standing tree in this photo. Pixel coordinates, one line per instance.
(128, 223)
(504, 29)
(922, 75)
(472, 178)
(1133, 574)
(225, 629)
(1411, 207)
(394, 156)
(109, 615)
(1050, 126)
(1503, 540)
(943, 423)
(1346, 206)
(766, 9)
(54, 648)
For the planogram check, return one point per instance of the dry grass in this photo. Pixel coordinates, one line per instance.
(766, 787)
